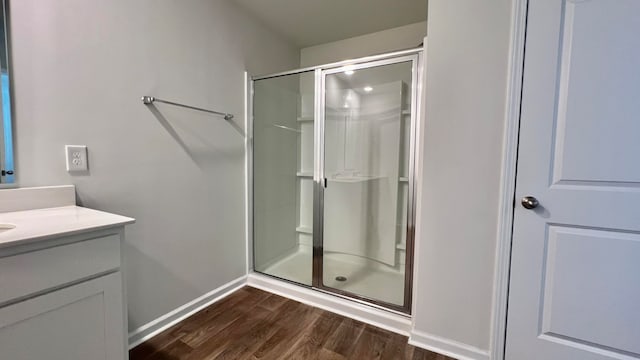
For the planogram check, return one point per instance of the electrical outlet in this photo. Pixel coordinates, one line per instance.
(76, 158)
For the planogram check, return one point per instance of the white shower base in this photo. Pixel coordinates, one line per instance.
(364, 277)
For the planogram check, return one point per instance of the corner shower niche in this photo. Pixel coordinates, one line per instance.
(358, 147)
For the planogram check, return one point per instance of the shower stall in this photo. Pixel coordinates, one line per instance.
(333, 177)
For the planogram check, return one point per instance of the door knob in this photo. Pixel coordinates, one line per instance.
(529, 202)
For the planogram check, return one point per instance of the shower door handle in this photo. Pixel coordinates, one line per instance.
(325, 183)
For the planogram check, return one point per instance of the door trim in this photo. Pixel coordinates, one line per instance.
(508, 179)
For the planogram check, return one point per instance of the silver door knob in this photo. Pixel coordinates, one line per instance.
(529, 202)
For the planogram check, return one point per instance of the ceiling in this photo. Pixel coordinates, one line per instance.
(312, 22)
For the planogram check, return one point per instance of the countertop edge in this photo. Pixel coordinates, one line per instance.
(111, 221)
(49, 237)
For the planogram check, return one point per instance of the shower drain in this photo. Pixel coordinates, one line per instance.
(341, 278)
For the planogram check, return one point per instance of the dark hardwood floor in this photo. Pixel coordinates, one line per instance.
(253, 324)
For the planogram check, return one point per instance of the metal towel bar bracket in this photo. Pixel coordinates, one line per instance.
(148, 100)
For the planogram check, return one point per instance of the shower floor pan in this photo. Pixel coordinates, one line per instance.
(363, 277)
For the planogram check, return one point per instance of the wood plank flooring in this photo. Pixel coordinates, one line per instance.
(253, 324)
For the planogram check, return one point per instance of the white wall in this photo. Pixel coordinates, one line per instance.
(466, 78)
(80, 68)
(403, 37)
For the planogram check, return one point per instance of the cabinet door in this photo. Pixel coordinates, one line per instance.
(80, 322)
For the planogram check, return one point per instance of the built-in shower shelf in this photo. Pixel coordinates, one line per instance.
(354, 179)
(304, 174)
(406, 112)
(304, 230)
(403, 179)
(305, 118)
(401, 246)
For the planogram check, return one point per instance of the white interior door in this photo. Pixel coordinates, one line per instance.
(575, 273)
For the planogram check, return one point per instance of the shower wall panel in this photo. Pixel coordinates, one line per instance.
(362, 151)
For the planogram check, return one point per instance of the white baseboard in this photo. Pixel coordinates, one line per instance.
(383, 319)
(151, 329)
(447, 347)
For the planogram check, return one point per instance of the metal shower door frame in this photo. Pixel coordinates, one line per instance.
(319, 177)
(320, 72)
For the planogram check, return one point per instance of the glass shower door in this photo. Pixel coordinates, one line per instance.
(365, 188)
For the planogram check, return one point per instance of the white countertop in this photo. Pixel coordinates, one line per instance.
(42, 224)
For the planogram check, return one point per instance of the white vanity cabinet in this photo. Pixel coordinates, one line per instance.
(61, 278)
(63, 298)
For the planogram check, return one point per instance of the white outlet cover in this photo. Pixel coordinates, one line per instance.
(77, 160)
